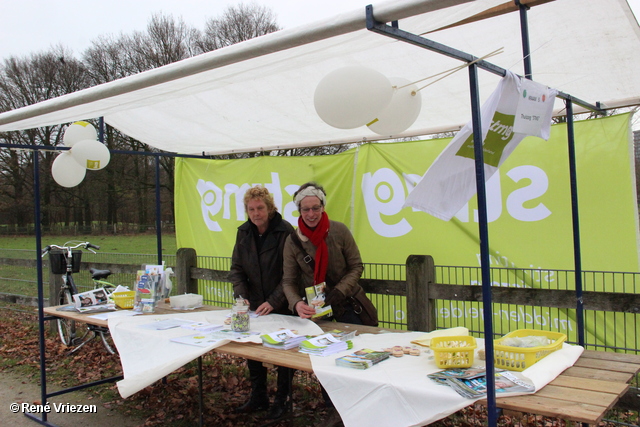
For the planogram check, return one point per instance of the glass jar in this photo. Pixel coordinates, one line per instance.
(240, 316)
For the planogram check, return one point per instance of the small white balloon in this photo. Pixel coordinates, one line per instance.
(66, 171)
(91, 154)
(79, 131)
(402, 111)
(352, 96)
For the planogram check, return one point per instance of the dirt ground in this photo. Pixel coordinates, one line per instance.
(14, 389)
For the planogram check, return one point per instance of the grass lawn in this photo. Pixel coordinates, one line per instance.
(21, 280)
(131, 244)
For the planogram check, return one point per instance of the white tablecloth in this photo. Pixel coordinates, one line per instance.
(148, 355)
(394, 393)
(397, 392)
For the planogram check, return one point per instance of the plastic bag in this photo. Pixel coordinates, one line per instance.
(525, 342)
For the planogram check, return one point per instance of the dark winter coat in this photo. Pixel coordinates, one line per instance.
(258, 276)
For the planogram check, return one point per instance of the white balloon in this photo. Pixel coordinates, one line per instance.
(66, 171)
(352, 96)
(91, 154)
(402, 111)
(78, 131)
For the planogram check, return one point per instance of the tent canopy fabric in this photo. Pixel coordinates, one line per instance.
(258, 95)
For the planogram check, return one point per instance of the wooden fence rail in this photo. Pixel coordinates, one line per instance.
(420, 288)
(423, 292)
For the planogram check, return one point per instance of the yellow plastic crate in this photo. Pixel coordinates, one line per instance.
(453, 352)
(124, 299)
(521, 358)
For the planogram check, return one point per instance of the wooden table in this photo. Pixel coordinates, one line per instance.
(582, 393)
(288, 358)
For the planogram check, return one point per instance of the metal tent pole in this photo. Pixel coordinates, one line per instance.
(524, 36)
(158, 210)
(576, 221)
(42, 419)
(483, 230)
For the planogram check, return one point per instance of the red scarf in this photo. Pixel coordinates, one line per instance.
(317, 237)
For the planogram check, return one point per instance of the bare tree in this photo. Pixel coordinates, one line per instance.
(107, 59)
(237, 24)
(122, 192)
(166, 40)
(25, 81)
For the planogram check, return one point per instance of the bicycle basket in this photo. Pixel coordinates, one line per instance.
(58, 261)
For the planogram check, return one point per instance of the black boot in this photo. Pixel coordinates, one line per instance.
(283, 403)
(252, 405)
(259, 400)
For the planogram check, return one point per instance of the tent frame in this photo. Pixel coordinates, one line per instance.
(394, 32)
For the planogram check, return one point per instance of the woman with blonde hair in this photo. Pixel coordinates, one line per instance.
(256, 274)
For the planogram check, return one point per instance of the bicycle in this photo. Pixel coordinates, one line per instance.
(66, 261)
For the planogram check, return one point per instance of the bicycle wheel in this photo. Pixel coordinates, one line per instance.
(106, 340)
(66, 327)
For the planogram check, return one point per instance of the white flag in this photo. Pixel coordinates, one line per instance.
(450, 181)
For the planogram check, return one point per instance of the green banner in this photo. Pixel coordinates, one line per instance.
(529, 207)
(529, 201)
(209, 194)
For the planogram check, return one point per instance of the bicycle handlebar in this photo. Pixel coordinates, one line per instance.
(85, 245)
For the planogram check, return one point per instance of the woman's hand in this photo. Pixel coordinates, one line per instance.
(264, 309)
(304, 311)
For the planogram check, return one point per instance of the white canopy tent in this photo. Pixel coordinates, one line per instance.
(258, 95)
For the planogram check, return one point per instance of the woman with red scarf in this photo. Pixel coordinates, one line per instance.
(321, 250)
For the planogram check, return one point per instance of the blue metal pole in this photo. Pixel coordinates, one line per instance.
(483, 230)
(158, 210)
(524, 32)
(573, 178)
(36, 221)
(101, 129)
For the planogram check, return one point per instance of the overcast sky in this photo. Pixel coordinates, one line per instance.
(30, 26)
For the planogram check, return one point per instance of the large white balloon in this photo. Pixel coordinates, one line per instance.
(78, 131)
(352, 96)
(66, 171)
(402, 111)
(91, 154)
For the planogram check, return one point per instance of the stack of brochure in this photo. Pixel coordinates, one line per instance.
(284, 339)
(362, 359)
(472, 382)
(206, 339)
(202, 326)
(324, 345)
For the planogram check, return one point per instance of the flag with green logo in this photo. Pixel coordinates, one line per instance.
(451, 180)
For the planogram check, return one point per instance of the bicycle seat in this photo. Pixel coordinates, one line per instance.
(99, 274)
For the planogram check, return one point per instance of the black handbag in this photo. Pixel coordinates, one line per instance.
(364, 308)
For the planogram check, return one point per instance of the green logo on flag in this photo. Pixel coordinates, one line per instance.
(499, 135)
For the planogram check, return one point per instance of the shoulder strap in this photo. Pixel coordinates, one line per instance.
(307, 258)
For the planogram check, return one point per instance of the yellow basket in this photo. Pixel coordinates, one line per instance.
(124, 299)
(453, 352)
(521, 358)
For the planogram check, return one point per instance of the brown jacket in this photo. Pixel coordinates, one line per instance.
(343, 271)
